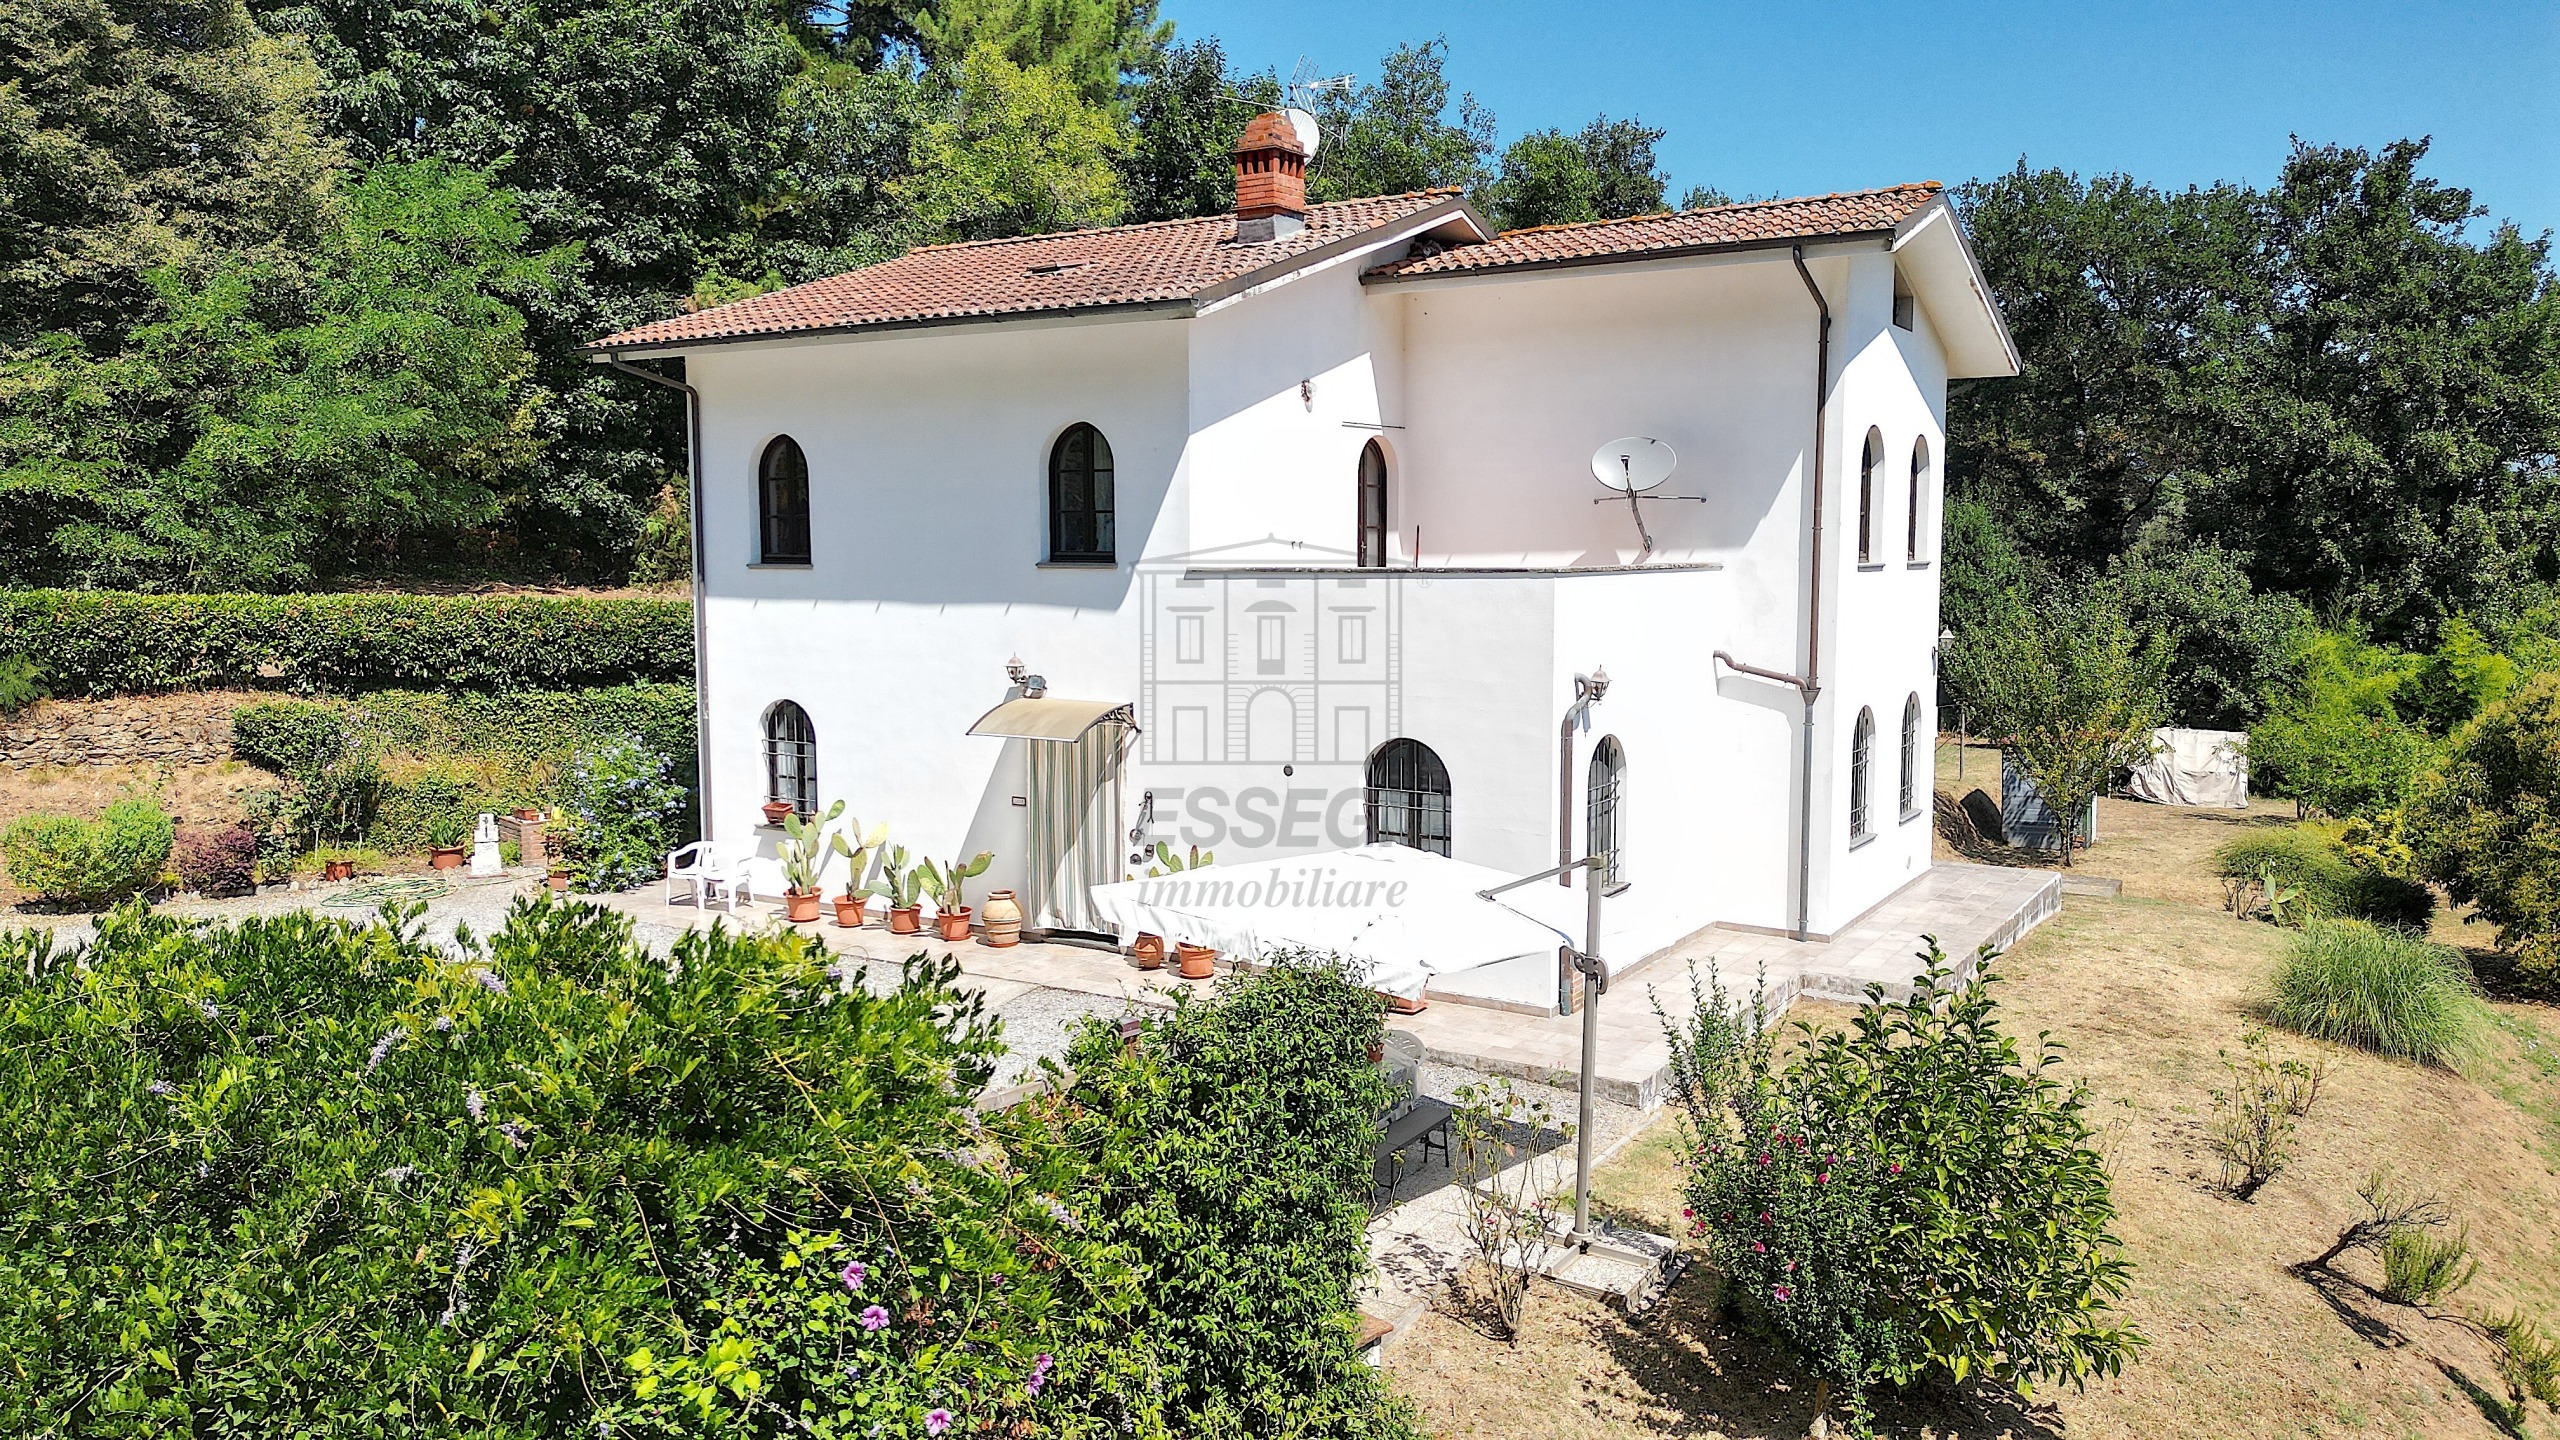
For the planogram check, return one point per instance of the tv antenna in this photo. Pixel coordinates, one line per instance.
(1630, 467)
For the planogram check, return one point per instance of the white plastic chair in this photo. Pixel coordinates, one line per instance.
(719, 873)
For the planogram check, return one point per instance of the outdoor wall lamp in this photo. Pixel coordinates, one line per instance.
(1033, 686)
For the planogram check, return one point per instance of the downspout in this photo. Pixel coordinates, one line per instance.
(1811, 687)
(693, 529)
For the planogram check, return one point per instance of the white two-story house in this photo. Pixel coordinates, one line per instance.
(1278, 532)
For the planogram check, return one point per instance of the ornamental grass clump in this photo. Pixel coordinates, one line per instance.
(1907, 1198)
(2351, 983)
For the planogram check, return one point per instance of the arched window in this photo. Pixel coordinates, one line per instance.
(790, 757)
(1862, 754)
(1373, 505)
(1608, 814)
(1409, 797)
(1868, 460)
(782, 495)
(1080, 509)
(1919, 481)
(1911, 756)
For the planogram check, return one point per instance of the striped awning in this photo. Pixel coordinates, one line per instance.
(1057, 721)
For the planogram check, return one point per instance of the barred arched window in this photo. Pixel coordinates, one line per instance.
(1911, 756)
(1080, 499)
(782, 495)
(1919, 479)
(1373, 505)
(1408, 797)
(1608, 815)
(1862, 753)
(1868, 459)
(790, 757)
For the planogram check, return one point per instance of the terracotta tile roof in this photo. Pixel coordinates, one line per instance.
(1171, 260)
(1761, 222)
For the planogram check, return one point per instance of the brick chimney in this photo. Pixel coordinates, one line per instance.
(1271, 180)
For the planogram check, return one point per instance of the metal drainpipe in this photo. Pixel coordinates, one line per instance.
(693, 521)
(1812, 683)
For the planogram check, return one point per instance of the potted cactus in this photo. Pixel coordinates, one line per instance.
(951, 907)
(805, 846)
(1148, 948)
(902, 885)
(849, 905)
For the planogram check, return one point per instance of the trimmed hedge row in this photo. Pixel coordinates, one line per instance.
(103, 642)
(2310, 858)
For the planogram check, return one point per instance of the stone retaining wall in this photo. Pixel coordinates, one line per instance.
(188, 728)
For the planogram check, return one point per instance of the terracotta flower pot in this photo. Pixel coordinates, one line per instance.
(1002, 919)
(1148, 951)
(906, 920)
(953, 924)
(559, 879)
(1199, 962)
(445, 857)
(338, 870)
(527, 812)
(777, 811)
(849, 910)
(1378, 1050)
(800, 905)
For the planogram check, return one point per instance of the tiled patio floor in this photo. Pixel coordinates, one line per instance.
(1965, 906)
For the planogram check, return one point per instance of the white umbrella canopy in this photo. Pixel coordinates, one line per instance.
(1403, 914)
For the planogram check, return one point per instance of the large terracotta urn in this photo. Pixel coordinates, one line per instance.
(1002, 918)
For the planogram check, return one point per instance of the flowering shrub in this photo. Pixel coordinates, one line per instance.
(1905, 1197)
(88, 863)
(623, 810)
(217, 859)
(299, 1176)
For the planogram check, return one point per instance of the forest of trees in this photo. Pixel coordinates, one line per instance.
(293, 291)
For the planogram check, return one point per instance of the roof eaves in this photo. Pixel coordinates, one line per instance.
(1394, 274)
(1981, 283)
(1382, 232)
(607, 346)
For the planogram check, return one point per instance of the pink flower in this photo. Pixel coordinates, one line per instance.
(1897, 1167)
(1759, 1249)
(1688, 1214)
(936, 1421)
(853, 1273)
(1791, 1267)
(875, 1318)
(1764, 1217)
(1764, 1157)
(1779, 1292)
(1822, 1179)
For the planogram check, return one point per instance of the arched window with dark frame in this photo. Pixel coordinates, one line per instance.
(790, 757)
(1919, 480)
(1607, 817)
(1862, 754)
(1373, 506)
(782, 502)
(1408, 797)
(1911, 756)
(1080, 498)
(1868, 460)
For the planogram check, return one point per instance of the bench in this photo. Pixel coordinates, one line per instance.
(1425, 1123)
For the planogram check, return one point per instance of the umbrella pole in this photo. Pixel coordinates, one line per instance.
(1589, 964)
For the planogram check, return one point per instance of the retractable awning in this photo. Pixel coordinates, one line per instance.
(1057, 721)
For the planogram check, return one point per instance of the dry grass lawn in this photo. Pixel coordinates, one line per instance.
(2146, 991)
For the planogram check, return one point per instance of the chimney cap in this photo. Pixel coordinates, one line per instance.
(1271, 130)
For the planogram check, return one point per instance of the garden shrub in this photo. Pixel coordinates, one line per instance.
(303, 1177)
(1908, 1197)
(2420, 1267)
(70, 861)
(1235, 1138)
(2487, 824)
(21, 684)
(2335, 741)
(2351, 983)
(217, 859)
(102, 642)
(621, 813)
(2314, 863)
(2232, 645)
(332, 773)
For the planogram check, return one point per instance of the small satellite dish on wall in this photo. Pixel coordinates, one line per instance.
(1304, 122)
(1633, 463)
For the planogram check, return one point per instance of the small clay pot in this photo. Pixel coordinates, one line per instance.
(777, 811)
(1199, 962)
(338, 870)
(1378, 1050)
(800, 905)
(527, 812)
(445, 857)
(953, 924)
(849, 910)
(560, 880)
(1148, 951)
(1001, 919)
(906, 920)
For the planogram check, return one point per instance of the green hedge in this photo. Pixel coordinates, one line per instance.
(2312, 859)
(99, 642)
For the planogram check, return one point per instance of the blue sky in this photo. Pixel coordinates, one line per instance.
(1789, 99)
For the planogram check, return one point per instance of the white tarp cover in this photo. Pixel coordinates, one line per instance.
(2195, 767)
(1404, 914)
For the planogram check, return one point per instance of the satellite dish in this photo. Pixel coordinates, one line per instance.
(1632, 464)
(1304, 122)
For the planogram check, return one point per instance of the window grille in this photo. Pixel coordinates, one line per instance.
(791, 757)
(1408, 797)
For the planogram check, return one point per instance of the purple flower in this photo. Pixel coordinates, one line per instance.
(514, 1133)
(160, 1087)
(444, 1024)
(478, 1107)
(936, 1421)
(853, 1273)
(1039, 1374)
(490, 981)
(382, 1048)
(874, 1318)
(212, 1011)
